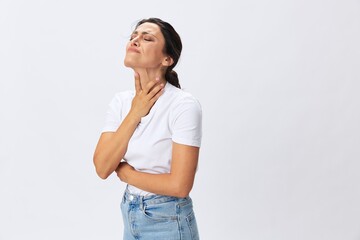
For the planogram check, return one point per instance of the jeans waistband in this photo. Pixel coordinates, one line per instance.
(151, 199)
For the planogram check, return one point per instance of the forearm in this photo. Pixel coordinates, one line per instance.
(163, 184)
(110, 152)
(178, 182)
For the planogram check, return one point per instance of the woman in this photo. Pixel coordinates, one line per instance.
(152, 137)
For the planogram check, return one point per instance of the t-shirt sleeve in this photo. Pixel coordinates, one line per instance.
(187, 122)
(113, 115)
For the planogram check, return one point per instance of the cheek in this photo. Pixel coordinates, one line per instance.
(156, 54)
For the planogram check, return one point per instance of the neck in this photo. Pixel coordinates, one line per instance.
(147, 75)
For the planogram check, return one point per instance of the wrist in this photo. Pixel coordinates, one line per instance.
(133, 117)
(127, 175)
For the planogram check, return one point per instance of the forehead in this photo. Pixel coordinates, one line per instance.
(151, 28)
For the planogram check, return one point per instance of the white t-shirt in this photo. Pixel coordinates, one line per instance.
(175, 117)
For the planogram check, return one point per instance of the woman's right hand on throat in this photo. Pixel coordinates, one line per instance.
(145, 96)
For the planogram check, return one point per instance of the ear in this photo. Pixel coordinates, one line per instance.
(168, 61)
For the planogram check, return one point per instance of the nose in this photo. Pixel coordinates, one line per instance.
(135, 42)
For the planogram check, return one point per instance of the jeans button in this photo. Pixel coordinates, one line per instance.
(131, 197)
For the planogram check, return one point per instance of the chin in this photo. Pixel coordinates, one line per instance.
(129, 63)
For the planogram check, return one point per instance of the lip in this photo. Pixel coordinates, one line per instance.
(132, 49)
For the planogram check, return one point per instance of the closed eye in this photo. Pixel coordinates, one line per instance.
(145, 36)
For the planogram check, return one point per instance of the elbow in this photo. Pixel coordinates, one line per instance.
(182, 191)
(100, 170)
(102, 175)
(182, 195)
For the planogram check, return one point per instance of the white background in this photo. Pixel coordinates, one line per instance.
(279, 85)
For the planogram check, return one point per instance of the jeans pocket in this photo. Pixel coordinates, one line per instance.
(160, 212)
(191, 221)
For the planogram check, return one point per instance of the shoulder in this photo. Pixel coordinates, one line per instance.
(185, 118)
(183, 101)
(181, 97)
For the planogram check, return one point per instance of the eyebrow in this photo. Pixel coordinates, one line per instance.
(144, 32)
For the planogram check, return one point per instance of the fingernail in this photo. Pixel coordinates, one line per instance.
(157, 78)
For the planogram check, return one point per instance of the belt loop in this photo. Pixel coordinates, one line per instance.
(141, 199)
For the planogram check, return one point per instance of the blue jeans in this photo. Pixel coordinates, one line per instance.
(158, 217)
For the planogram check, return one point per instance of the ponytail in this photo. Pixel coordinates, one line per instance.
(172, 77)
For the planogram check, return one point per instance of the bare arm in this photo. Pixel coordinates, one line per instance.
(112, 147)
(177, 183)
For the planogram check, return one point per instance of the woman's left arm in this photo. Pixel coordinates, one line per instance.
(177, 183)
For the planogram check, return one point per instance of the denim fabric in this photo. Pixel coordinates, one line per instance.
(158, 217)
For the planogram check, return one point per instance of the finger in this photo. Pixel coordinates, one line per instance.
(151, 84)
(156, 96)
(155, 90)
(137, 82)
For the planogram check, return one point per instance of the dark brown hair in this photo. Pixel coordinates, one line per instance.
(173, 47)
